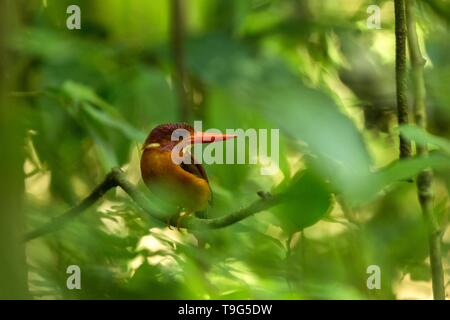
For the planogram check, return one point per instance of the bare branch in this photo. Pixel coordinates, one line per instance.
(181, 80)
(425, 178)
(58, 222)
(400, 74)
(117, 178)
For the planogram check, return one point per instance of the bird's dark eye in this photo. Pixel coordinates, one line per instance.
(179, 134)
(176, 136)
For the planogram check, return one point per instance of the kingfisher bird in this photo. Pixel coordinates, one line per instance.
(183, 187)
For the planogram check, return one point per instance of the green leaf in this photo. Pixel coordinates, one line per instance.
(307, 200)
(100, 110)
(105, 150)
(397, 172)
(419, 272)
(113, 122)
(421, 136)
(80, 93)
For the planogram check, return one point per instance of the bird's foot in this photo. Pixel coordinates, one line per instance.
(169, 224)
(182, 216)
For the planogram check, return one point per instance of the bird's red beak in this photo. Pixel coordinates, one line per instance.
(205, 137)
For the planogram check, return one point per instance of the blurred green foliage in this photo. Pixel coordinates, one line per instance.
(310, 68)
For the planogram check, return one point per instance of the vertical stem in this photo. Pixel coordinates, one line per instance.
(13, 271)
(289, 265)
(425, 178)
(400, 73)
(181, 82)
(303, 252)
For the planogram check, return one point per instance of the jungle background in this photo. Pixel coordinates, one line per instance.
(76, 103)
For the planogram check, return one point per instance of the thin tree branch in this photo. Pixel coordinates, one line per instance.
(400, 73)
(117, 178)
(425, 178)
(58, 222)
(181, 82)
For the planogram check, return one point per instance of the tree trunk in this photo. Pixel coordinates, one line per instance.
(13, 272)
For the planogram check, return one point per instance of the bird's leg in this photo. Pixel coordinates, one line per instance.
(172, 216)
(169, 225)
(182, 216)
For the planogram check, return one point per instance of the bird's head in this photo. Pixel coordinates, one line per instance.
(166, 136)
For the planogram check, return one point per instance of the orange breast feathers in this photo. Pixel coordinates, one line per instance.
(172, 183)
